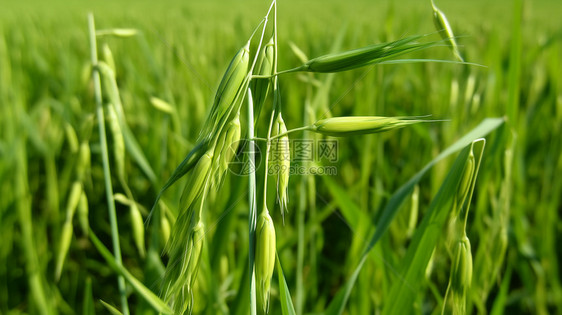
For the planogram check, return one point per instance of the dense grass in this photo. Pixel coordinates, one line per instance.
(47, 110)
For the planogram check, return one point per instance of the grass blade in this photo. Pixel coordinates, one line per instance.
(287, 307)
(412, 270)
(88, 304)
(140, 288)
(501, 299)
(185, 166)
(96, 78)
(110, 308)
(350, 210)
(488, 125)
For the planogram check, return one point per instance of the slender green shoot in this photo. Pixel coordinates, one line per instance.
(105, 160)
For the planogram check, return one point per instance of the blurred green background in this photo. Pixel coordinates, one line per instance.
(179, 56)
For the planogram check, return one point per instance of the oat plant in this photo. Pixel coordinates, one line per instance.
(251, 78)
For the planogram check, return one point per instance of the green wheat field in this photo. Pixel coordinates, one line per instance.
(177, 157)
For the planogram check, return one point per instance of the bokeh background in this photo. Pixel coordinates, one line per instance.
(179, 55)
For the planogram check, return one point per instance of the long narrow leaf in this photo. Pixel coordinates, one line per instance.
(287, 307)
(488, 125)
(350, 210)
(110, 308)
(501, 299)
(412, 270)
(88, 304)
(140, 288)
(185, 166)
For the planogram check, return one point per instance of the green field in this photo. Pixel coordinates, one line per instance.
(378, 232)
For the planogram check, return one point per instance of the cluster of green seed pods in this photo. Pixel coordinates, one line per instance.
(460, 279)
(180, 277)
(217, 145)
(206, 164)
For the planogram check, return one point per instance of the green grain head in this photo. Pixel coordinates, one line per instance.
(265, 257)
(195, 183)
(83, 165)
(183, 266)
(444, 28)
(227, 144)
(461, 275)
(358, 125)
(365, 56)
(83, 213)
(231, 86)
(280, 159)
(138, 227)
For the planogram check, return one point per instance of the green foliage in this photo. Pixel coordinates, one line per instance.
(346, 245)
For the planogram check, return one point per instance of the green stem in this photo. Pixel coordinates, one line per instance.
(105, 161)
(304, 128)
(282, 134)
(252, 217)
(38, 292)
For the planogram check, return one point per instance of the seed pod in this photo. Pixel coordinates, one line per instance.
(231, 84)
(260, 86)
(227, 145)
(414, 211)
(197, 238)
(162, 105)
(164, 229)
(356, 58)
(183, 266)
(64, 245)
(445, 30)
(73, 199)
(273, 159)
(83, 164)
(71, 137)
(196, 181)
(108, 57)
(138, 228)
(265, 256)
(122, 199)
(357, 125)
(119, 32)
(83, 213)
(118, 143)
(280, 156)
(461, 270)
(232, 139)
